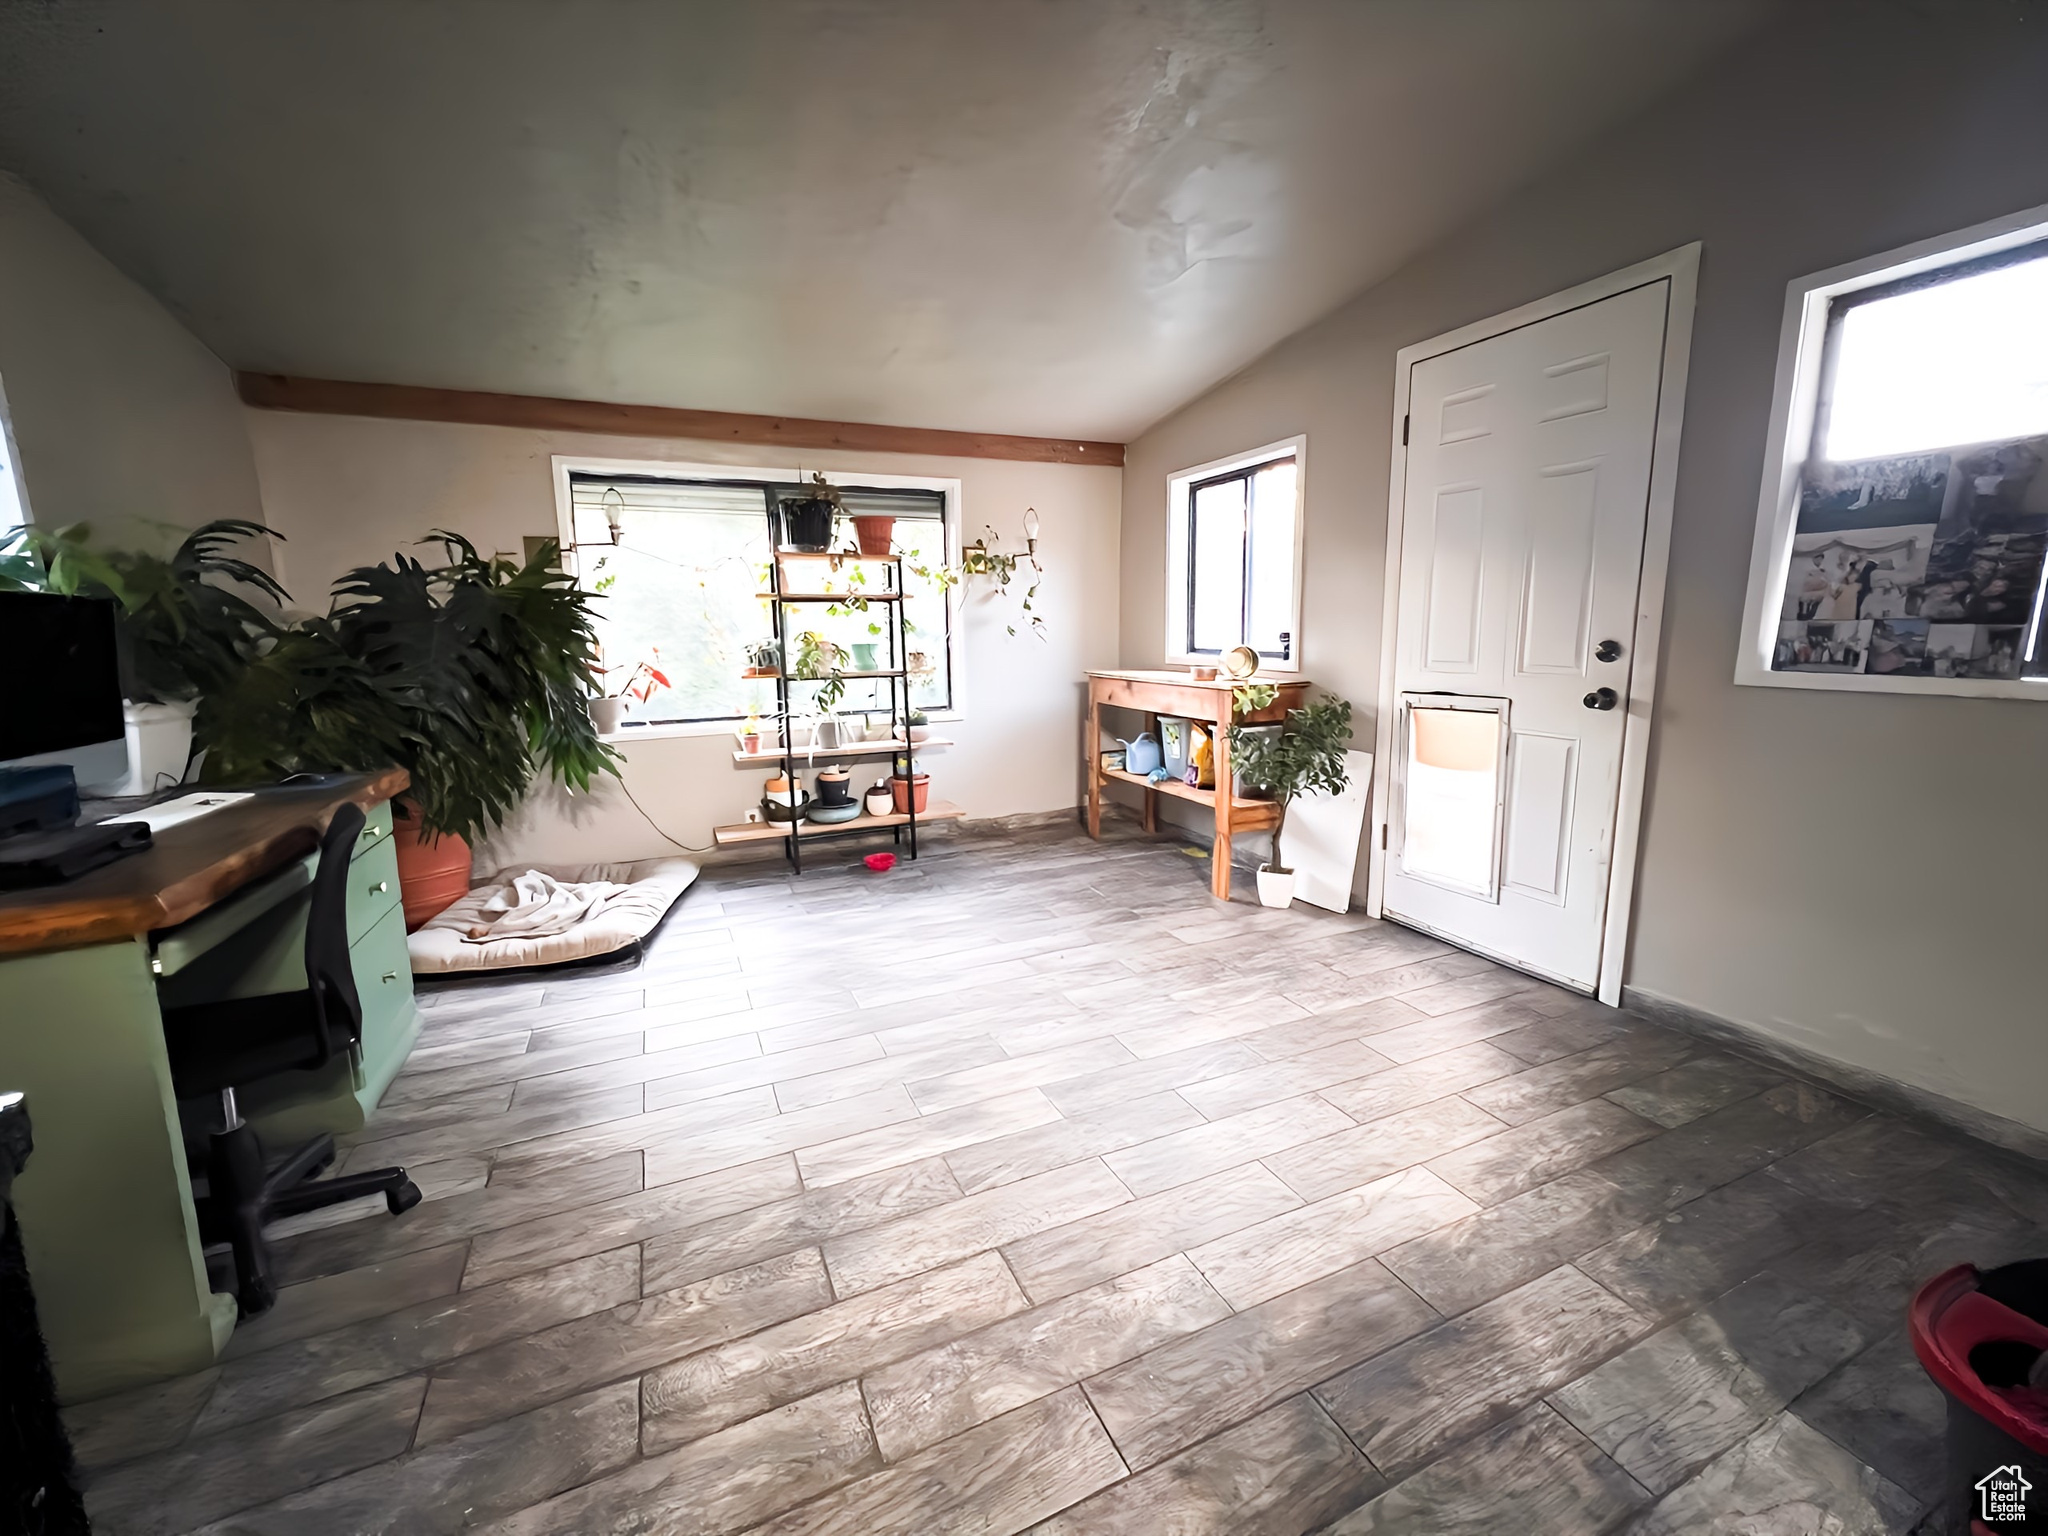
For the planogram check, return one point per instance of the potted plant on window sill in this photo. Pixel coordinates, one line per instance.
(1306, 756)
(608, 711)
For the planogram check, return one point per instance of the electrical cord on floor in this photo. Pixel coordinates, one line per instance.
(686, 847)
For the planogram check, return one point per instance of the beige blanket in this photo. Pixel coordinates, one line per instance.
(536, 905)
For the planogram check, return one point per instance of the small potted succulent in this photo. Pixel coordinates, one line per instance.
(764, 659)
(912, 791)
(915, 727)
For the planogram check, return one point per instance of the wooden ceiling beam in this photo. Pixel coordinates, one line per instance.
(408, 402)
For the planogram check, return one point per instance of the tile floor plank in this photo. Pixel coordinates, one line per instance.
(997, 1479)
(619, 1342)
(1170, 1397)
(921, 1400)
(707, 1391)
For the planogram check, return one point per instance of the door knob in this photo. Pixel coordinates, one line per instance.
(1607, 650)
(1602, 698)
(380, 887)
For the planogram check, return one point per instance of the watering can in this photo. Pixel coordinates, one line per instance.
(1141, 753)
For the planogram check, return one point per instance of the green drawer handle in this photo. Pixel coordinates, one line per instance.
(380, 887)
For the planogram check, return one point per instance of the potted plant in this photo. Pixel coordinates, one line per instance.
(818, 660)
(182, 629)
(750, 734)
(807, 519)
(910, 790)
(879, 800)
(475, 675)
(638, 686)
(874, 536)
(764, 659)
(915, 727)
(1307, 755)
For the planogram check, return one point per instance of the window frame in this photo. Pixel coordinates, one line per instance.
(565, 466)
(1806, 344)
(1180, 488)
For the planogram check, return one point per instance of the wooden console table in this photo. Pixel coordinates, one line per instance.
(1177, 693)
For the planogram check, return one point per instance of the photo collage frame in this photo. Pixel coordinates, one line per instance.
(1919, 565)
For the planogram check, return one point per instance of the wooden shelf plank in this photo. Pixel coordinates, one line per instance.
(827, 755)
(830, 597)
(1244, 811)
(776, 831)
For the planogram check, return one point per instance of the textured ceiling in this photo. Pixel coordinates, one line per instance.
(1042, 216)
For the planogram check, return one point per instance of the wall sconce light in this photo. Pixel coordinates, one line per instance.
(1031, 530)
(614, 509)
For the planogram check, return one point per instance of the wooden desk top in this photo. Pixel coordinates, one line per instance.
(187, 869)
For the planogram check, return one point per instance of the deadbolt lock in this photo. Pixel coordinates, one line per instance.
(1607, 650)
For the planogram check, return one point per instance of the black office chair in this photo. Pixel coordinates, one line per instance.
(215, 1047)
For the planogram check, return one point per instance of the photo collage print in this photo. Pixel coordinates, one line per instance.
(1925, 565)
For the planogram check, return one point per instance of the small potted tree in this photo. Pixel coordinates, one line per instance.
(1305, 756)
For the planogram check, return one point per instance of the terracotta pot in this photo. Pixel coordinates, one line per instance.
(874, 535)
(433, 872)
(901, 789)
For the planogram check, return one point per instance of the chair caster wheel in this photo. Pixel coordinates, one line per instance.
(402, 1199)
(255, 1298)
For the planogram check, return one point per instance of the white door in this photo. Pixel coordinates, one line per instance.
(1524, 510)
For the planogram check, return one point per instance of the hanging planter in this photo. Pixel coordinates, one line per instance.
(807, 519)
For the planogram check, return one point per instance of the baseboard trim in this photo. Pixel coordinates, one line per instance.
(1860, 1083)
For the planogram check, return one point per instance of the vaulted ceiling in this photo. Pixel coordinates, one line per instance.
(1040, 216)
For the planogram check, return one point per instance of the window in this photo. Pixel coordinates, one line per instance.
(1903, 523)
(13, 499)
(681, 563)
(1234, 558)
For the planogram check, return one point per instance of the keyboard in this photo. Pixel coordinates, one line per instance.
(174, 813)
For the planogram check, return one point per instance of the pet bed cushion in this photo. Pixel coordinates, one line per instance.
(443, 945)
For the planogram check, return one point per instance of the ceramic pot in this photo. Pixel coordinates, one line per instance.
(834, 785)
(874, 534)
(606, 715)
(1276, 887)
(878, 801)
(750, 742)
(807, 525)
(433, 871)
(159, 746)
(864, 656)
(914, 791)
(912, 733)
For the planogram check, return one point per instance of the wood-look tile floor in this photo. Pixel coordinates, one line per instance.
(1026, 1188)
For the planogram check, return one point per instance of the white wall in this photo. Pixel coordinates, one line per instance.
(1855, 876)
(348, 491)
(121, 417)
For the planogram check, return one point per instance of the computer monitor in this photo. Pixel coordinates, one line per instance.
(62, 699)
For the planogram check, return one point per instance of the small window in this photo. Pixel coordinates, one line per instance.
(681, 564)
(13, 499)
(1234, 559)
(1903, 529)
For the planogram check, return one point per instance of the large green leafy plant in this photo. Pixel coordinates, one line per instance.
(1305, 756)
(182, 629)
(473, 674)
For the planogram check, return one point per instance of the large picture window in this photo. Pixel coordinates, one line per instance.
(681, 562)
(1904, 518)
(1234, 558)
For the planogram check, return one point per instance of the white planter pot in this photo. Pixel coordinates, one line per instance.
(1275, 889)
(606, 715)
(879, 802)
(159, 746)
